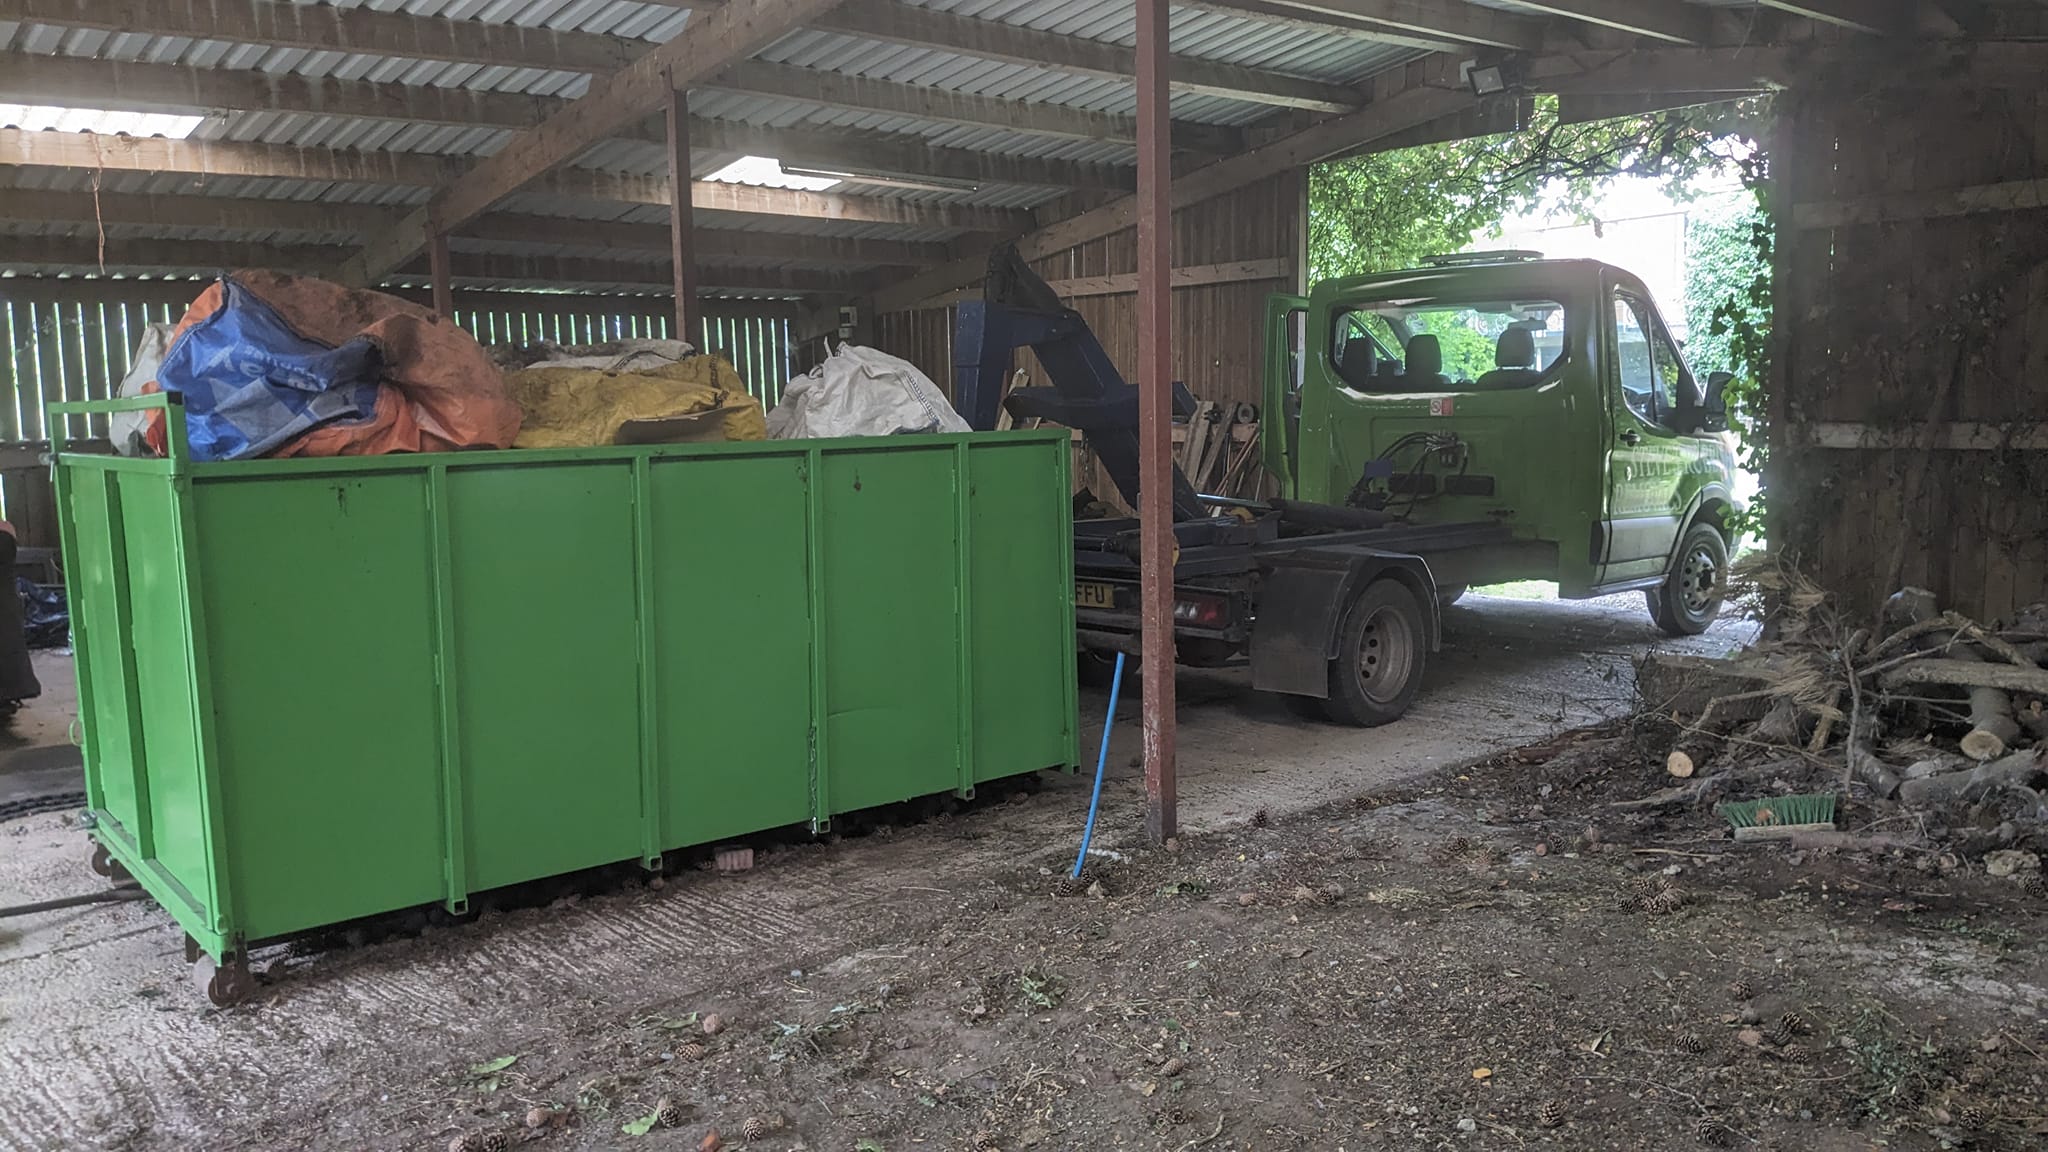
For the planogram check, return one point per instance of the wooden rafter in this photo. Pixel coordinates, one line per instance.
(733, 32)
(84, 150)
(894, 22)
(941, 106)
(364, 30)
(1396, 108)
(1278, 12)
(31, 253)
(329, 28)
(303, 218)
(1441, 23)
(1673, 21)
(88, 83)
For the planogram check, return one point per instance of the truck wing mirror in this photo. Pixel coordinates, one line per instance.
(1717, 392)
(1714, 409)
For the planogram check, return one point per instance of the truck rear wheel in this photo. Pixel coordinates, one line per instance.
(1380, 657)
(1691, 594)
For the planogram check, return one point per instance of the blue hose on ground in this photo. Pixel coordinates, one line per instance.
(1116, 681)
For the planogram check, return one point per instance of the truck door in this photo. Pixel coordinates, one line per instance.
(1647, 457)
(1286, 361)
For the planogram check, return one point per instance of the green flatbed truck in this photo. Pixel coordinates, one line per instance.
(1488, 418)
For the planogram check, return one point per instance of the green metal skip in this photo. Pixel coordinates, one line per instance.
(315, 690)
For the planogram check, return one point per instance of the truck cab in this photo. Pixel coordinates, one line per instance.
(1547, 396)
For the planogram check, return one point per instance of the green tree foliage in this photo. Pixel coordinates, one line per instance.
(1387, 210)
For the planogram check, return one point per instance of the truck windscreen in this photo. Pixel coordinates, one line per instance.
(1439, 345)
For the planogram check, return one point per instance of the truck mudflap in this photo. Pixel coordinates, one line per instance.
(1302, 606)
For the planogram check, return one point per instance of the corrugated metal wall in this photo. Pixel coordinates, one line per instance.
(1909, 328)
(1217, 328)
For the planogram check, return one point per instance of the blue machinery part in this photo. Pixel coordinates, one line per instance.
(1018, 310)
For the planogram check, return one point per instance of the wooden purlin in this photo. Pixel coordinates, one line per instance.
(734, 31)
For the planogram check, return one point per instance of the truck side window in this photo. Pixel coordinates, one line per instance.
(1648, 366)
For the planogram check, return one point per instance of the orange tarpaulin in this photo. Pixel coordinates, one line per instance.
(439, 391)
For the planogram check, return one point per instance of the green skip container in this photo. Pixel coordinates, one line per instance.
(316, 690)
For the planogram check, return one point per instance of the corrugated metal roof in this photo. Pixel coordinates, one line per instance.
(1221, 37)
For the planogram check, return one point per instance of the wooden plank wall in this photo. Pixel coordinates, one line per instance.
(1217, 328)
(1899, 327)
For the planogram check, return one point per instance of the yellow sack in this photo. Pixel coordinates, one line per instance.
(698, 399)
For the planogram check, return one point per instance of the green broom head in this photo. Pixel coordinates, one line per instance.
(1779, 811)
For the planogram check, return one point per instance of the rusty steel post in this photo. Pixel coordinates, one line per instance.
(1155, 417)
(682, 245)
(437, 271)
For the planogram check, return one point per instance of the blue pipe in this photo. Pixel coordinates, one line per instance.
(1116, 681)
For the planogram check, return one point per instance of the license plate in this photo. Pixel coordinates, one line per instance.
(1089, 594)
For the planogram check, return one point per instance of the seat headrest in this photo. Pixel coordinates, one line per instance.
(1359, 360)
(1516, 348)
(1425, 356)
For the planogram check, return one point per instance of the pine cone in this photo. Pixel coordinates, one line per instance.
(1071, 885)
(1665, 902)
(1741, 989)
(690, 1051)
(1664, 882)
(2033, 883)
(494, 1141)
(985, 1141)
(1793, 1053)
(1969, 1116)
(1261, 818)
(467, 1142)
(1710, 1131)
(1793, 1024)
(1455, 845)
(1643, 884)
(753, 1129)
(667, 1114)
(1551, 1114)
(1173, 1067)
(1692, 1042)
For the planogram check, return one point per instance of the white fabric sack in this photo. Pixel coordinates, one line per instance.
(617, 355)
(127, 428)
(860, 391)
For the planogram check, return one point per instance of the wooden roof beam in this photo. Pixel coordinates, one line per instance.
(88, 83)
(322, 27)
(1447, 24)
(327, 28)
(893, 22)
(420, 170)
(31, 253)
(1402, 101)
(1286, 15)
(939, 105)
(733, 32)
(1672, 21)
(321, 218)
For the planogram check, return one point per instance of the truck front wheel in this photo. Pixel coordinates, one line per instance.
(1380, 656)
(1691, 594)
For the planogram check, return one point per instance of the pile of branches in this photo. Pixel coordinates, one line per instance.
(1930, 714)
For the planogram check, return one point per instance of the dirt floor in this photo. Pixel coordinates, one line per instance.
(1399, 938)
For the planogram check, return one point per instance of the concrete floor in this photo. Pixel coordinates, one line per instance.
(102, 1044)
(37, 755)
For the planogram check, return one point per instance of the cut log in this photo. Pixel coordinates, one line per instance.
(2019, 768)
(1992, 726)
(1687, 684)
(1780, 724)
(1968, 674)
(1680, 764)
